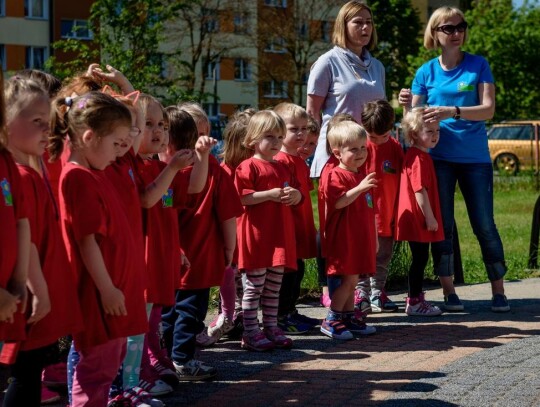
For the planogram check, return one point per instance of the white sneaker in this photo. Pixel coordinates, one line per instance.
(420, 307)
(194, 370)
(220, 327)
(204, 340)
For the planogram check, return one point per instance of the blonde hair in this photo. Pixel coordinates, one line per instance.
(439, 15)
(197, 112)
(146, 100)
(412, 123)
(312, 126)
(344, 133)
(346, 14)
(289, 111)
(19, 93)
(262, 122)
(335, 119)
(234, 151)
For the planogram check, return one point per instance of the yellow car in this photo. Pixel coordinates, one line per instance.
(514, 146)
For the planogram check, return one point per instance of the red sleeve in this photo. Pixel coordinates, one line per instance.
(245, 179)
(16, 189)
(84, 205)
(227, 202)
(335, 188)
(418, 176)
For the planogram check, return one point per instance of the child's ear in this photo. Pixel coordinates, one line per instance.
(88, 136)
(336, 152)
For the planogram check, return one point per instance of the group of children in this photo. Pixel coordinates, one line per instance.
(117, 221)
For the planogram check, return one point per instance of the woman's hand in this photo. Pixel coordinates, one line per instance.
(405, 97)
(438, 113)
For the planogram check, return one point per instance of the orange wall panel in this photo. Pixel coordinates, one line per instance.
(14, 8)
(15, 57)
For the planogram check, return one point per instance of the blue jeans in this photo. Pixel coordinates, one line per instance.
(183, 321)
(476, 185)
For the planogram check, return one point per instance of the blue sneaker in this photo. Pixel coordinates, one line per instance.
(336, 329)
(499, 303)
(289, 326)
(453, 303)
(358, 327)
(303, 319)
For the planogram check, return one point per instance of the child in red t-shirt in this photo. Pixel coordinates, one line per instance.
(53, 306)
(101, 250)
(419, 213)
(266, 235)
(350, 234)
(289, 319)
(385, 158)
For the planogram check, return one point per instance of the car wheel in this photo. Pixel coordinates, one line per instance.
(507, 164)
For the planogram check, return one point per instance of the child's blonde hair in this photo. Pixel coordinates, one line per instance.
(337, 118)
(234, 151)
(262, 122)
(312, 126)
(412, 123)
(290, 111)
(182, 128)
(197, 112)
(146, 100)
(344, 133)
(19, 93)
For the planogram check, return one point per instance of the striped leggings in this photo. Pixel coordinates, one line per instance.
(262, 285)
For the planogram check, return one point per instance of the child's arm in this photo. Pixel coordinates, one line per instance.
(258, 197)
(155, 190)
(424, 204)
(112, 298)
(228, 228)
(8, 306)
(350, 196)
(199, 173)
(41, 303)
(17, 282)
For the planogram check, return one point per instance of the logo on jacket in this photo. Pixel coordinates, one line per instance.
(369, 200)
(387, 167)
(167, 199)
(6, 191)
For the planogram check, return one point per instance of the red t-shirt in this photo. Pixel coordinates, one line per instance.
(350, 231)
(386, 160)
(65, 315)
(54, 169)
(418, 172)
(12, 209)
(323, 182)
(200, 221)
(162, 242)
(90, 204)
(304, 225)
(265, 231)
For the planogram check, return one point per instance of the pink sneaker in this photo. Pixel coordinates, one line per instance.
(165, 372)
(325, 300)
(361, 302)
(420, 307)
(48, 396)
(55, 375)
(256, 340)
(277, 336)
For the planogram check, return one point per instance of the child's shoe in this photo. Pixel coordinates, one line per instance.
(336, 329)
(292, 327)
(499, 303)
(358, 327)
(48, 396)
(204, 340)
(256, 340)
(453, 303)
(55, 375)
(325, 300)
(304, 319)
(194, 370)
(420, 307)
(166, 372)
(278, 338)
(139, 398)
(221, 326)
(361, 302)
(155, 387)
(238, 326)
(381, 303)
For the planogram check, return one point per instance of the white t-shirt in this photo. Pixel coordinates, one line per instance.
(346, 82)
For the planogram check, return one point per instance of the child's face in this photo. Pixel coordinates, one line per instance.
(100, 152)
(352, 155)
(154, 138)
(269, 145)
(30, 129)
(428, 137)
(202, 128)
(309, 146)
(134, 133)
(378, 139)
(296, 134)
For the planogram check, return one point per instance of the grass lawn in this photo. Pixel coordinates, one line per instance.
(514, 200)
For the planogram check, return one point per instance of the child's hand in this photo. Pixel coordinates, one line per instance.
(112, 76)
(184, 261)
(113, 302)
(405, 97)
(41, 306)
(432, 224)
(291, 196)
(8, 306)
(275, 194)
(20, 291)
(182, 159)
(368, 182)
(204, 144)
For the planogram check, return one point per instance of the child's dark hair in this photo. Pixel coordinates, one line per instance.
(49, 83)
(378, 117)
(79, 85)
(94, 110)
(312, 126)
(183, 132)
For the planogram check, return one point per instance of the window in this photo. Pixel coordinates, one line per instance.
(326, 30)
(35, 57)
(276, 3)
(515, 132)
(242, 70)
(210, 20)
(3, 57)
(2, 7)
(275, 89)
(211, 68)
(240, 24)
(36, 9)
(276, 44)
(77, 29)
(211, 109)
(303, 30)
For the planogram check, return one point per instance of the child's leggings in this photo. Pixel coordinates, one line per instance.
(262, 286)
(420, 257)
(95, 372)
(227, 292)
(153, 352)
